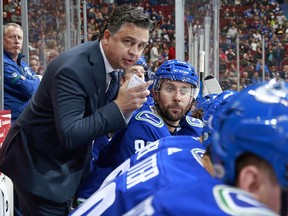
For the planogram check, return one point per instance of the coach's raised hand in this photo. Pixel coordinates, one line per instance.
(129, 100)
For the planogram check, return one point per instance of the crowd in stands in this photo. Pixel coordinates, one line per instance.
(254, 22)
(251, 20)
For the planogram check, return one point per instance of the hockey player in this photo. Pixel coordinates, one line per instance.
(139, 69)
(174, 89)
(201, 105)
(164, 163)
(249, 152)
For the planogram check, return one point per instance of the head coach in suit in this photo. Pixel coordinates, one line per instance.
(45, 150)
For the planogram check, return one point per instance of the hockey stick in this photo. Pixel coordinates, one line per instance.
(212, 85)
(201, 74)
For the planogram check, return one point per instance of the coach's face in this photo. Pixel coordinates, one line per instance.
(125, 47)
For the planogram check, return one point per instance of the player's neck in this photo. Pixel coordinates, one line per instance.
(172, 126)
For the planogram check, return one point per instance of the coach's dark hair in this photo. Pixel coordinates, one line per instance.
(126, 14)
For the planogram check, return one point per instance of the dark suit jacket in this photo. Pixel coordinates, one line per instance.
(45, 149)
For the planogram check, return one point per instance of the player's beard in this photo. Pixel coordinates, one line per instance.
(168, 114)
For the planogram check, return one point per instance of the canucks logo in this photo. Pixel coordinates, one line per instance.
(150, 117)
(234, 201)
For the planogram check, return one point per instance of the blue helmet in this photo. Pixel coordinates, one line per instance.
(142, 62)
(254, 121)
(176, 70)
(216, 102)
(212, 112)
(204, 102)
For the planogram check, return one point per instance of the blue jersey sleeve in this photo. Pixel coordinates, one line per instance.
(20, 83)
(20, 79)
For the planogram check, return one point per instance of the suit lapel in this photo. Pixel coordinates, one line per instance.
(99, 73)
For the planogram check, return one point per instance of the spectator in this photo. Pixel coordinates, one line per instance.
(281, 18)
(257, 35)
(279, 54)
(16, 16)
(20, 82)
(164, 35)
(35, 65)
(230, 54)
(10, 6)
(53, 136)
(154, 52)
(259, 67)
(232, 32)
(256, 79)
(254, 44)
(6, 18)
(245, 80)
(172, 52)
(284, 73)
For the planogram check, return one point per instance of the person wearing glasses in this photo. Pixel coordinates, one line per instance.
(174, 89)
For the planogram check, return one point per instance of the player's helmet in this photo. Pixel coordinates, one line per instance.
(204, 102)
(142, 62)
(214, 104)
(176, 70)
(212, 112)
(255, 121)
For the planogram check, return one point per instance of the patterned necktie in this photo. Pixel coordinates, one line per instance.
(113, 86)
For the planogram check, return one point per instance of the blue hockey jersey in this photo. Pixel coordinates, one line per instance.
(20, 83)
(165, 163)
(144, 127)
(167, 178)
(203, 198)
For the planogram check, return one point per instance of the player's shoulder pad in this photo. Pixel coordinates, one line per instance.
(150, 117)
(194, 121)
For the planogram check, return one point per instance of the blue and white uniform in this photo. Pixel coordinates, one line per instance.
(165, 163)
(144, 128)
(20, 83)
(167, 178)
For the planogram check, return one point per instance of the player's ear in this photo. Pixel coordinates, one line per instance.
(249, 179)
(206, 161)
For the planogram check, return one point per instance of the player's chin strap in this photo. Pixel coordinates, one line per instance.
(284, 202)
(178, 126)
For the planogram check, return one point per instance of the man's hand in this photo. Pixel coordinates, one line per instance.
(129, 100)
